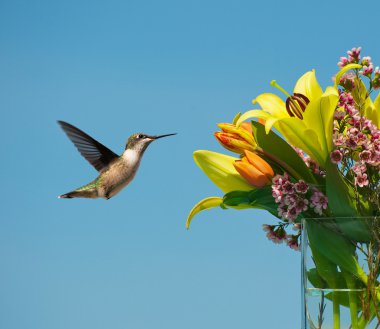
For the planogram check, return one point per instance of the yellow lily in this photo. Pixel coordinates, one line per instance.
(305, 120)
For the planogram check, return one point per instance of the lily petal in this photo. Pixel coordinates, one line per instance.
(376, 117)
(220, 170)
(308, 85)
(272, 104)
(261, 115)
(207, 203)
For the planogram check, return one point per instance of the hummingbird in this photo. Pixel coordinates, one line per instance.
(115, 172)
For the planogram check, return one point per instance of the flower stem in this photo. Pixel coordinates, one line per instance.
(352, 299)
(336, 310)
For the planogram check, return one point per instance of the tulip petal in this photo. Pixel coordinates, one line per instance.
(220, 170)
(207, 203)
(308, 85)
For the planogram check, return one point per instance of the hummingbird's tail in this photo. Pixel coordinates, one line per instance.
(91, 194)
(68, 195)
(87, 191)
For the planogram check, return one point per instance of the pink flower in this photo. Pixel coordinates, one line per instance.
(301, 187)
(347, 81)
(292, 214)
(292, 242)
(365, 156)
(336, 156)
(359, 168)
(343, 62)
(361, 180)
(319, 202)
(301, 205)
(288, 187)
(354, 55)
(277, 195)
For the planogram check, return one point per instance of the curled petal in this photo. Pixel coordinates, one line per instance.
(207, 203)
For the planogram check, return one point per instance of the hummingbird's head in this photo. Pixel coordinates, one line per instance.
(140, 142)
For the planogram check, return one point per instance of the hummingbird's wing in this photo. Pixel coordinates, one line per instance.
(93, 151)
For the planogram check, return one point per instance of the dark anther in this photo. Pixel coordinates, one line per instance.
(296, 104)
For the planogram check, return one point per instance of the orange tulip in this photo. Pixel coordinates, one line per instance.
(255, 170)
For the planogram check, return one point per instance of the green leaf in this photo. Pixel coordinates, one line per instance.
(236, 198)
(258, 198)
(341, 198)
(275, 145)
(333, 247)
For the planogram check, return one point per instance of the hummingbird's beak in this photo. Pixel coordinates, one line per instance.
(157, 137)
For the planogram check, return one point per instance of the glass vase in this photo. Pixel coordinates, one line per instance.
(340, 273)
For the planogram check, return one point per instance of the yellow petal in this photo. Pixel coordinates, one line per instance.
(220, 170)
(308, 85)
(251, 115)
(376, 117)
(312, 134)
(204, 204)
(272, 104)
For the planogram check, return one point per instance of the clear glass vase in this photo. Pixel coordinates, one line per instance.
(340, 273)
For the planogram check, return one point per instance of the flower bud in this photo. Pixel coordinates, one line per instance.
(236, 139)
(255, 170)
(233, 142)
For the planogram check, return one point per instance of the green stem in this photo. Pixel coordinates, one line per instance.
(336, 310)
(352, 298)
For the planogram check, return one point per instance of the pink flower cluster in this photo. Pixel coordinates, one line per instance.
(295, 198)
(278, 235)
(348, 80)
(353, 57)
(355, 137)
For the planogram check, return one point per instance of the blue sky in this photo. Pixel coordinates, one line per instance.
(119, 67)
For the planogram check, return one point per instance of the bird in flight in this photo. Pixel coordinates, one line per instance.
(115, 172)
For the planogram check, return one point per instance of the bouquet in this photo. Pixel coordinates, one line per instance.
(311, 158)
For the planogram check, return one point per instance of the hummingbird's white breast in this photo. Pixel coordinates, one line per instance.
(131, 157)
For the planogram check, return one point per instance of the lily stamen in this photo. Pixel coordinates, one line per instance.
(295, 104)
